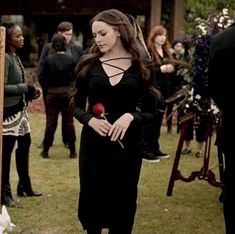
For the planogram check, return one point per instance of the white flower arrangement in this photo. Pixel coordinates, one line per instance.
(192, 98)
(215, 23)
(5, 221)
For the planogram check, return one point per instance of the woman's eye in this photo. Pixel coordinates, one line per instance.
(102, 34)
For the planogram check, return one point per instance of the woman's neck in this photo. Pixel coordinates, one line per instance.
(13, 53)
(159, 50)
(116, 52)
(12, 50)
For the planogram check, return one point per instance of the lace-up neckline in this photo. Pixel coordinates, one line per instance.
(114, 72)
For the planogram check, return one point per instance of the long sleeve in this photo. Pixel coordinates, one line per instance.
(13, 85)
(80, 112)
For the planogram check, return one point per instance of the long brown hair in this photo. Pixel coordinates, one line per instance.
(120, 21)
(156, 31)
(138, 33)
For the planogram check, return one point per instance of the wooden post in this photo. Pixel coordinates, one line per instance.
(154, 18)
(178, 19)
(155, 15)
(2, 65)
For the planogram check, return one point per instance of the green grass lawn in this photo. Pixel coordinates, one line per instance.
(193, 207)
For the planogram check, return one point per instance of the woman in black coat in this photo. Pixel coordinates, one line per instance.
(221, 74)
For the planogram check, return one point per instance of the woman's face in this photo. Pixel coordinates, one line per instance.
(17, 39)
(104, 35)
(160, 39)
(179, 48)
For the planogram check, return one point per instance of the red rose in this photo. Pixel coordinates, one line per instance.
(98, 109)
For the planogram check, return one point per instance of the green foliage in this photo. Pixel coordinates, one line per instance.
(202, 8)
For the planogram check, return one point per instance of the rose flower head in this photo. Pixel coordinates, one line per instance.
(98, 109)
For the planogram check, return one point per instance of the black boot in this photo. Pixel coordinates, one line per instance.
(94, 230)
(6, 195)
(72, 150)
(22, 166)
(7, 198)
(44, 154)
(45, 151)
(24, 187)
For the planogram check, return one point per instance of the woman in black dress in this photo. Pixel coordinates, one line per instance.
(113, 74)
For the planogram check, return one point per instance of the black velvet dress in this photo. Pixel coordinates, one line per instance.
(109, 174)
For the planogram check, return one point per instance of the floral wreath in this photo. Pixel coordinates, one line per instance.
(193, 97)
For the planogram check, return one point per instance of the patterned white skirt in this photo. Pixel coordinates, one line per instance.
(16, 125)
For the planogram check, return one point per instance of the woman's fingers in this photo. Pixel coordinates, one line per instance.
(116, 132)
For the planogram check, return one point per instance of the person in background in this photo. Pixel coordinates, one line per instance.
(57, 76)
(200, 137)
(159, 49)
(182, 52)
(198, 125)
(113, 98)
(147, 139)
(16, 127)
(221, 70)
(186, 56)
(65, 28)
(178, 54)
(178, 49)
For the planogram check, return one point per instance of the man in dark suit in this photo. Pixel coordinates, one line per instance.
(221, 76)
(66, 29)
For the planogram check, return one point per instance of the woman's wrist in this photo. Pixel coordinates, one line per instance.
(129, 116)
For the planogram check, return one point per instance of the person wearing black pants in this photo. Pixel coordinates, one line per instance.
(151, 134)
(159, 49)
(66, 29)
(57, 77)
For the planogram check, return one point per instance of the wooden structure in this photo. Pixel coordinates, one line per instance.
(46, 14)
(204, 173)
(2, 62)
